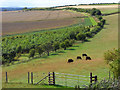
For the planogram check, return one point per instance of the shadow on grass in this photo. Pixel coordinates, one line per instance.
(87, 40)
(61, 51)
(107, 24)
(54, 54)
(71, 49)
(44, 56)
(75, 46)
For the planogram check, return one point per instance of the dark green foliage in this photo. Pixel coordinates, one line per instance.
(81, 36)
(89, 35)
(56, 46)
(72, 35)
(99, 17)
(24, 8)
(18, 49)
(98, 12)
(113, 59)
(103, 21)
(95, 11)
(67, 43)
(63, 45)
(71, 42)
(32, 53)
(47, 47)
(40, 50)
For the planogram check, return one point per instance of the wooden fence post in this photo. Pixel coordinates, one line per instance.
(6, 78)
(31, 77)
(95, 79)
(91, 77)
(53, 78)
(28, 77)
(49, 78)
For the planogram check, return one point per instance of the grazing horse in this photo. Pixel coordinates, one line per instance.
(88, 58)
(70, 60)
(79, 57)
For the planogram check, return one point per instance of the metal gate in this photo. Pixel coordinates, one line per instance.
(71, 80)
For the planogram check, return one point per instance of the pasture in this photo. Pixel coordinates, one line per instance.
(95, 47)
(20, 22)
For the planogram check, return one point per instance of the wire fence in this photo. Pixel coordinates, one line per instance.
(70, 80)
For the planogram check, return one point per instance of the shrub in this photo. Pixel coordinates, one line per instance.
(32, 53)
(113, 59)
(63, 45)
(81, 36)
(56, 46)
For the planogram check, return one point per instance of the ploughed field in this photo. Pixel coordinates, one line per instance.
(20, 22)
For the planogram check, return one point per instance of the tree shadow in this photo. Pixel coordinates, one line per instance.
(71, 49)
(104, 28)
(107, 24)
(75, 46)
(87, 40)
(54, 54)
(61, 51)
(44, 56)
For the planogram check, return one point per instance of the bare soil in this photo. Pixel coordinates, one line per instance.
(20, 22)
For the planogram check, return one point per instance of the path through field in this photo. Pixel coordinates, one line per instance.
(103, 41)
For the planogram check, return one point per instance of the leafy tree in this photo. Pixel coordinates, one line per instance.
(81, 36)
(113, 59)
(56, 46)
(103, 21)
(71, 42)
(18, 49)
(47, 47)
(24, 8)
(63, 45)
(98, 12)
(67, 44)
(72, 35)
(100, 24)
(89, 35)
(5, 10)
(100, 17)
(40, 50)
(32, 53)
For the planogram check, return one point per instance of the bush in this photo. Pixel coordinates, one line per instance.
(113, 59)
(63, 45)
(56, 46)
(104, 85)
(32, 53)
(89, 35)
(40, 50)
(81, 36)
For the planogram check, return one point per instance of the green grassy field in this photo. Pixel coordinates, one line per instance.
(103, 41)
(109, 10)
